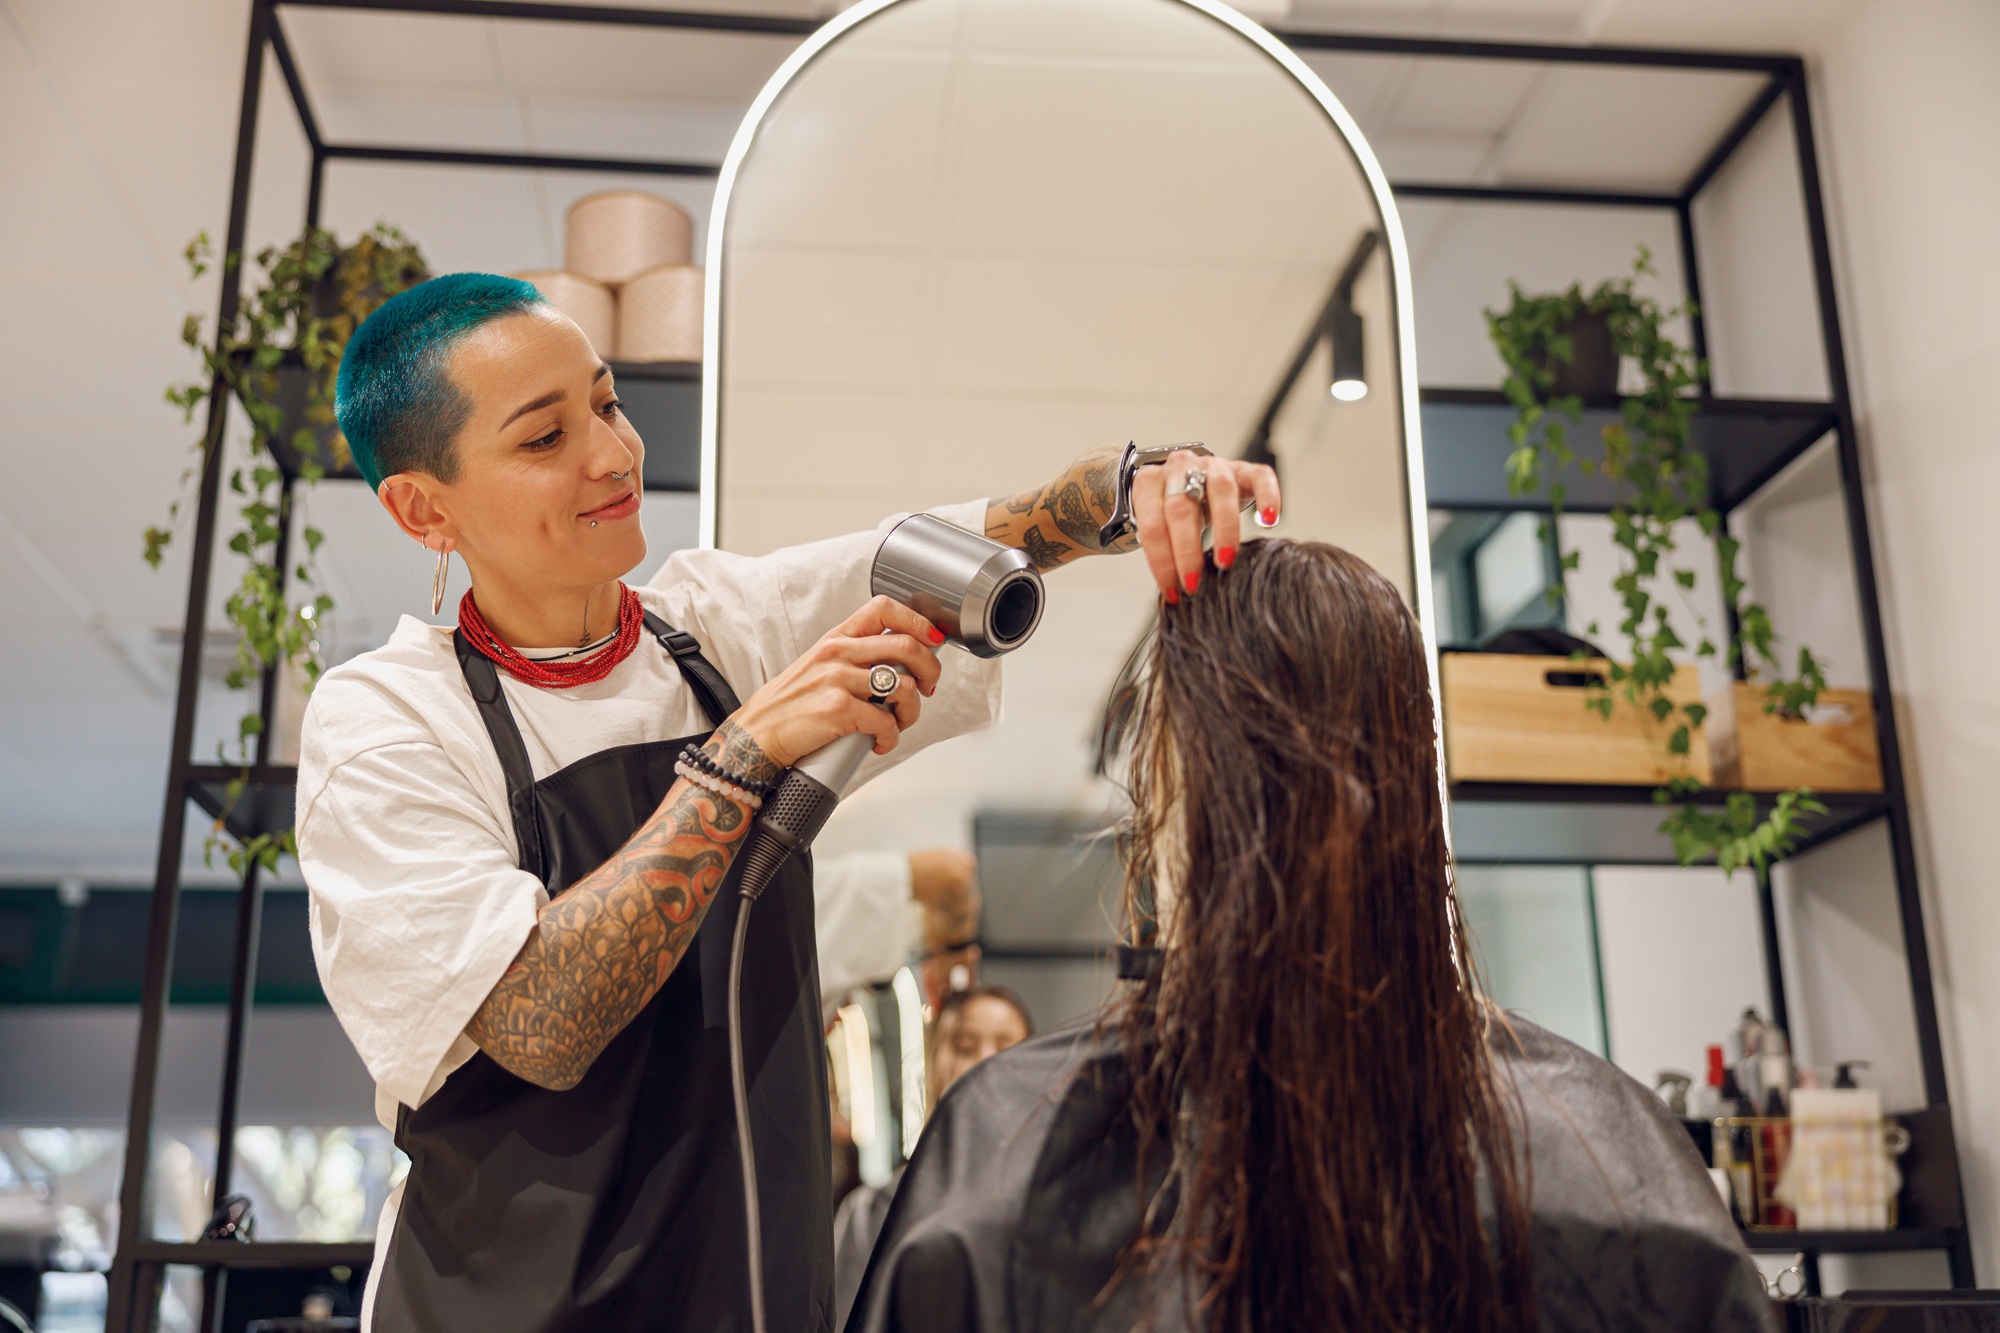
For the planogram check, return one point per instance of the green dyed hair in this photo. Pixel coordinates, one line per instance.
(396, 404)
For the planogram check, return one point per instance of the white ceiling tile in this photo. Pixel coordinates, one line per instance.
(794, 191)
(849, 319)
(1437, 156)
(647, 131)
(1364, 84)
(1462, 96)
(487, 121)
(593, 63)
(345, 49)
(1116, 30)
(137, 39)
(1227, 166)
(1622, 128)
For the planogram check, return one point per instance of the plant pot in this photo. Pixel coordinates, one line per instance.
(1592, 370)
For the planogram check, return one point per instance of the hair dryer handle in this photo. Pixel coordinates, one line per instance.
(833, 765)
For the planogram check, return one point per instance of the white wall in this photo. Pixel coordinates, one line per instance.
(1908, 108)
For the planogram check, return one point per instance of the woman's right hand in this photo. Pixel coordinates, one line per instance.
(824, 694)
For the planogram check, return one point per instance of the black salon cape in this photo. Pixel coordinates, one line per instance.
(1012, 1214)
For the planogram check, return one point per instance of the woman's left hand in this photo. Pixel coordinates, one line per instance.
(1170, 521)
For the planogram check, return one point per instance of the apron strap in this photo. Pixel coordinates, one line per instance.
(483, 679)
(717, 699)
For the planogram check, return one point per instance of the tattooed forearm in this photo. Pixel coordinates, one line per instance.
(605, 946)
(1059, 521)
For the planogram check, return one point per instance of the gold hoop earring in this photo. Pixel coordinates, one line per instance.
(438, 579)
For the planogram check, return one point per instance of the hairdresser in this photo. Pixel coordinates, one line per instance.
(514, 832)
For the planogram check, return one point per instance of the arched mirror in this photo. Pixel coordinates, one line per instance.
(960, 242)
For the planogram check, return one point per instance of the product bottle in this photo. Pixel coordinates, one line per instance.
(1705, 1098)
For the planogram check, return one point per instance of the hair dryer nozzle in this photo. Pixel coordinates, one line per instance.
(985, 595)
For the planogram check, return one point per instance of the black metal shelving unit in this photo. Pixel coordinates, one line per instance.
(1747, 443)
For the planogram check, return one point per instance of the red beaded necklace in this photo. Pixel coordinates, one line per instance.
(555, 675)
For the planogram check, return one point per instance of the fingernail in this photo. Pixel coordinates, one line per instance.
(1192, 580)
(1225, 556)
(937, 635)
(1268, 517)
(1173, 597)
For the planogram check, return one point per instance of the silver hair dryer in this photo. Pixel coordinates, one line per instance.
(987, 598)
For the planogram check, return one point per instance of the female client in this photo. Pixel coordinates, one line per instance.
(513, 832)
(1303, 1116)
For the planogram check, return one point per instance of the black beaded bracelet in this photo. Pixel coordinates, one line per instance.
(697, 758)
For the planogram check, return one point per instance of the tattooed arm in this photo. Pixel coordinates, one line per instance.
(606, 945)
(1058, 521)
(602, 949)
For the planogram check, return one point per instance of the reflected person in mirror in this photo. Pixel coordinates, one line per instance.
(1303, 1116)
(516, 830)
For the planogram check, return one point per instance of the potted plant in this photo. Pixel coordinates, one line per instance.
(1660, 480)
(280, 359)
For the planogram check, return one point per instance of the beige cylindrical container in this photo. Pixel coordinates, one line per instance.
(619, 234)
(589, 303)
(659, 315)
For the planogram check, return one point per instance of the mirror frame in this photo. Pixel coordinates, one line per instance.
(1402, 299)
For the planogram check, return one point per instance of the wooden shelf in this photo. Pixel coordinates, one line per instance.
(1746, 441)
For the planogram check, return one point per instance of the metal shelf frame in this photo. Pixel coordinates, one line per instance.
(140, 1260)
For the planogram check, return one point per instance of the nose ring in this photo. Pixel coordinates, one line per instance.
(621, 476)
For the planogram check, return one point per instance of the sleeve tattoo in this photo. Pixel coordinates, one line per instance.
(1059, 521)
(605, 946)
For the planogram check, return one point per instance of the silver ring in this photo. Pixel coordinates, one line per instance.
(621, 476)
(1196, 486)
(882, 682)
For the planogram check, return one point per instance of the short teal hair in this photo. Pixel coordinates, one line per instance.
(397, 407)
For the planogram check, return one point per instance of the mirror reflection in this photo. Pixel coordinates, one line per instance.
(974, 239)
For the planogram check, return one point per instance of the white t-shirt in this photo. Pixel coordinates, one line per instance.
(865, 921)
(417, 902)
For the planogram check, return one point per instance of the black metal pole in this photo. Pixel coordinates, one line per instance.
(315, 187)
(1774, 958)
(129, 1309)
(1902, 837)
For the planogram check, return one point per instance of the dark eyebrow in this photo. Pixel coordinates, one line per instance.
(602, 371)
(545, 400)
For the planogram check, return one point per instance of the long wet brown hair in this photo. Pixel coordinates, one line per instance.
(1309, 1061)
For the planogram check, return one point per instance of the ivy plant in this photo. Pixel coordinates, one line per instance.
(1660, 480)
(279, 358)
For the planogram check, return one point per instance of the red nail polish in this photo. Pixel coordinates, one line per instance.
(1225, 557)
(1173, 597)
(937, 635)
(1269, 516)
(1192, 579)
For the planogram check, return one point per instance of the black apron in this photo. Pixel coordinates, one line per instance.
(619, 1203)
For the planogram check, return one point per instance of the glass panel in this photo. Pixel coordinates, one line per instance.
(1534, 941)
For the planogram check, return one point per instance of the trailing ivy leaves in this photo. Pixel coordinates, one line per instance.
(1734, 835)
(279, 359)
(1660, 481)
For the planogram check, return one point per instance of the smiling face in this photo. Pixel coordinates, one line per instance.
(543, 502)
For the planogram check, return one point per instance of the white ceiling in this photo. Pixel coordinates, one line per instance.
(117, 121)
